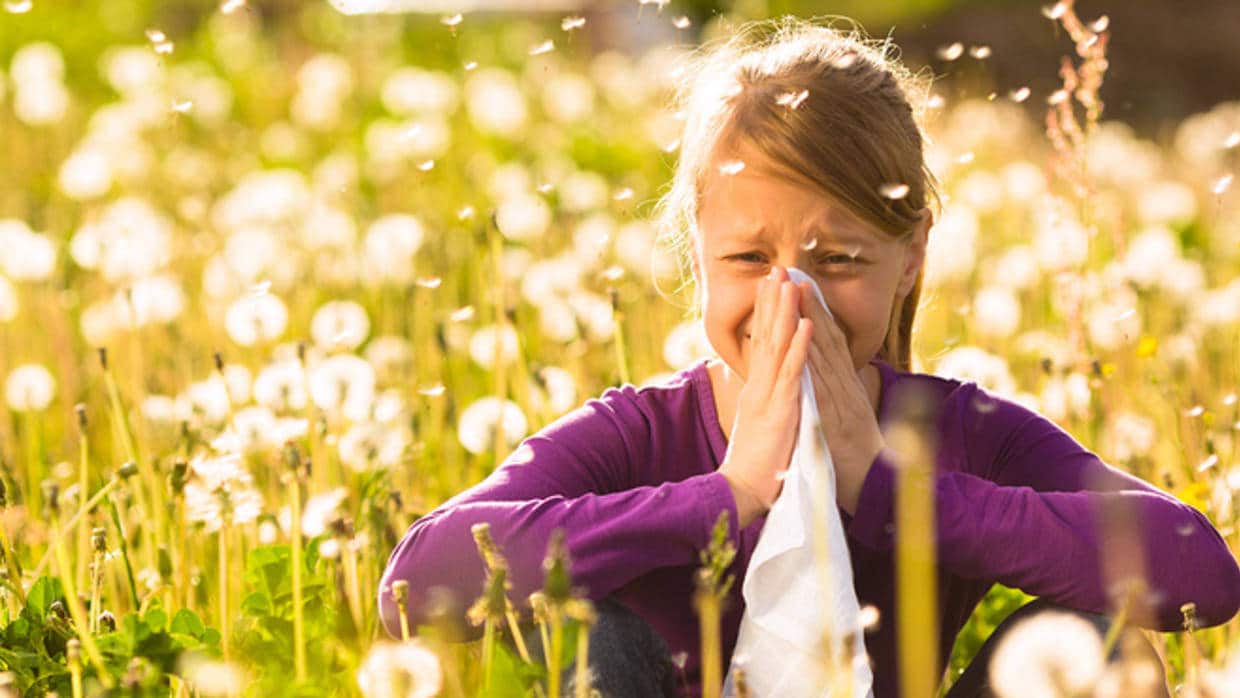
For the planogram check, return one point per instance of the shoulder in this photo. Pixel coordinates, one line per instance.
(664, 419)
(974, 423)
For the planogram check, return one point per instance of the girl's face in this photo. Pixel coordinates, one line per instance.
(752, 220)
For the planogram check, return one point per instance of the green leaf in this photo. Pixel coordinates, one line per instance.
(510, 676)
(45, 592)
(188, 623)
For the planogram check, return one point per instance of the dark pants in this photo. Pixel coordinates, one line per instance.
(628, 659)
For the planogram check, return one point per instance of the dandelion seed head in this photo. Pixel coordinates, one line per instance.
(400, 670)
(368, 445)
(29, 388)
(479, 422)
(211, 677)
(570, 23)
(487, 342)
(1047, 654)
(340, 325)
(256, 318)
(343, 384)
(523, 217)
(950, 52)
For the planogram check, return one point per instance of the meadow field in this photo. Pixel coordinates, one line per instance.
(274, 281)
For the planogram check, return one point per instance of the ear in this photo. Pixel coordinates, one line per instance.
(915, 253)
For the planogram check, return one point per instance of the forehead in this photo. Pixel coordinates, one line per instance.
(757, 203)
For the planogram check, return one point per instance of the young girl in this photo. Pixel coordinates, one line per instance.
(801, 149)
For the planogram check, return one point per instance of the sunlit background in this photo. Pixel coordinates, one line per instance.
(392, 231)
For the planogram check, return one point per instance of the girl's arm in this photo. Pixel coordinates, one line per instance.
(1031, 508)
(584, 474)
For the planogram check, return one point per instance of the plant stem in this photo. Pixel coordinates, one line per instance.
(299, 633)
(712, 662)
(124, 543)
(581, 682)
(488, 652)
(76, 611)
(222, 569)
(73, 520)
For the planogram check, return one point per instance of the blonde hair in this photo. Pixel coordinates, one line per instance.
(831, 108)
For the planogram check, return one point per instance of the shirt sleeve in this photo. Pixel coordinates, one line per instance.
(583, 474)
(1033, 509)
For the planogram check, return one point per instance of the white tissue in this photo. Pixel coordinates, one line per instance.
(800, 605)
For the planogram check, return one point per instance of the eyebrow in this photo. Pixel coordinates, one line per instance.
(816, 229)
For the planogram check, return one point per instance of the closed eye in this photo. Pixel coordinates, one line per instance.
(835, 260)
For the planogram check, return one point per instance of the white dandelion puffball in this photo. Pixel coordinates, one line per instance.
(211, 677)
(320, 510)
(478, 424)
(685, 344)
(492, 342)
(406, 669)
(29, 387)
(410, 91)
(344, 384)
(256, 318)
(8, 300)
(369, 444)
(1050, 654)
(952, 249)
(560, 388)
(281, 386)
(390, 244)
(28, 256)
(1065, 397)
(1129, 435)
(969, 363)
(996, 312)
(523, 217)
(495, 102)
(221, 491)
(86, 174)
(340, 325)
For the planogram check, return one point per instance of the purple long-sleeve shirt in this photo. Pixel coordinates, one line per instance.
(631, 478)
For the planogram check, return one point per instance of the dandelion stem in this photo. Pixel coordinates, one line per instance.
(299, 633)
(581, 682)
(488, 652)
(622, 354)
(145, 489)
(77, 515)
(83, 535)
(75, 608)
(222, 569)
(712, 662)
(34, 495)
(124, 545)
(557, 646)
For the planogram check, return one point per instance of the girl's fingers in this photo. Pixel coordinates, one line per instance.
(794, 360)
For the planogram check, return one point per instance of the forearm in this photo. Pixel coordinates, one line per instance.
(611, 538)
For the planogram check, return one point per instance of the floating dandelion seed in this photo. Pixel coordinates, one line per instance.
(1057, 97)
(1126, 314)
(18, 7)
(1229, 399)
(1054, 11)
(182, 107)
(545, 47)
(570, 23)
(471, 65)
(965, 158)
(894, 191)
(164, 48)
(809, 244)
(672, 147)
(1195, 411)
(681, 22)
(935, 102)
(426, 166)
(465, 213)
(261, 288)
(1233, 140)
(981, 53)
(156, 36)
(844, 61)
(1221, 184)
(613, 273)
(1100, 24)
(545, 188)
(1019, 94)
(462, 314)
(868, 617)
(950, 52)
(731, 167)
(431, 282)
(230, 6)
(623, 194)
(658, 3)
(432, 390)
(792, 100)
(452, 21)
(1208, 463)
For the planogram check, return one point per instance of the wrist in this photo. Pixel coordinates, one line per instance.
(749, 504)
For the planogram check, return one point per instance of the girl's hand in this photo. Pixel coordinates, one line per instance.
(769, 405)
(844, 407)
